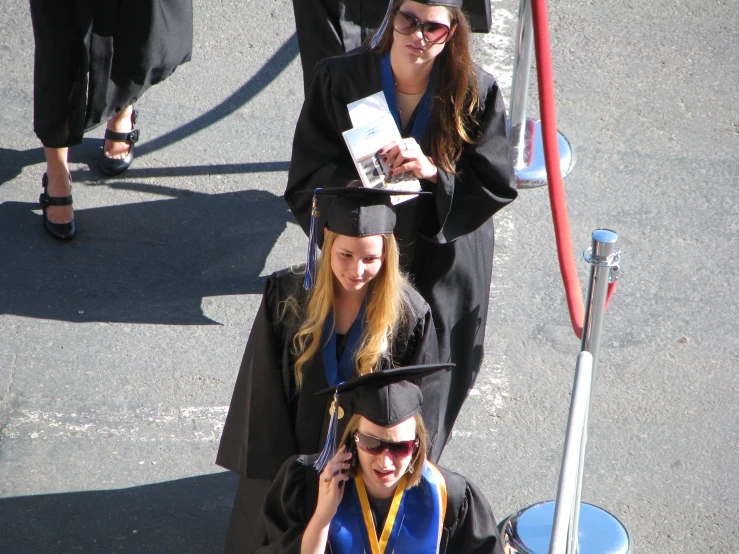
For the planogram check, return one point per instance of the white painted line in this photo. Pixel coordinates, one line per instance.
(188, 424)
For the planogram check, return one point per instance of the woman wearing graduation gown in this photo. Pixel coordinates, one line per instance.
(93, 60)
(452, 115)
(378, 493)
(362, 316)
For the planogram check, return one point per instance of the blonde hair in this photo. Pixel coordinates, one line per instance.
(385, 310)
(419, 456)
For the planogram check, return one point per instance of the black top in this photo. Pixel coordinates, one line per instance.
(379, 507)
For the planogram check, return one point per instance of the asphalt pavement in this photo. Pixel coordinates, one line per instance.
(119, 350)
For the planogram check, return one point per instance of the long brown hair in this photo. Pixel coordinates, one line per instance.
(455, 98)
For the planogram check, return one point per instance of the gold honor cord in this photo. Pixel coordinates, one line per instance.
(379, 548)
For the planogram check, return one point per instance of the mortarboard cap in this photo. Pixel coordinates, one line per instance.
(386, 398)
(357, 211)
(354, 211)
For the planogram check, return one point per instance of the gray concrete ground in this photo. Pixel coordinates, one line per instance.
(118, 352)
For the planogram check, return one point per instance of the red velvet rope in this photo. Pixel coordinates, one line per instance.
(557, 198)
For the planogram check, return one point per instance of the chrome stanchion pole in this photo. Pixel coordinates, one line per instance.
(527, 531)
(525, 134)
(520, 85)
(569, 475)
(604, 262)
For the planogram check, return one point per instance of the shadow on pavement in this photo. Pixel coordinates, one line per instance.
(89, 151)
(183, 516)
(150, 262)
(269, 71)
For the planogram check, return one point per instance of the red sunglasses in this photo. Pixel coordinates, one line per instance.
(396, 450)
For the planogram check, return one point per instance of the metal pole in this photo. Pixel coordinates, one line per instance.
(520, 86)
(523, 531)
(572, 543)
(569, 475)
(525, 134)
(604, 262)
(603, 259)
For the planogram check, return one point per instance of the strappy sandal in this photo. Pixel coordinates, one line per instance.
(62, 231)
(111, 166)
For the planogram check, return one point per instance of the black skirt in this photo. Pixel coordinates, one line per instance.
(94, 59)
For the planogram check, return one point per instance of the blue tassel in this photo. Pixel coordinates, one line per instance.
(309, 281)
(378, 35)
(329, 449)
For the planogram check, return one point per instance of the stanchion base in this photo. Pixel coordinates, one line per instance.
(531, 168)
(529, 531)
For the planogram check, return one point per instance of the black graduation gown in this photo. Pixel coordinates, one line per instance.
(268, 421)
(327, 28)
(446, 241)
(94, 58)
(469, 523)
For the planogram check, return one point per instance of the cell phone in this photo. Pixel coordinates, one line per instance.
(351, 446)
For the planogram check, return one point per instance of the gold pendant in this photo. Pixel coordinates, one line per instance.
(332, 409)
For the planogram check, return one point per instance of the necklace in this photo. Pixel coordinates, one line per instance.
(407, 102)
(409, 94)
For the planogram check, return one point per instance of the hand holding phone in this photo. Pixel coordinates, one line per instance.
(331, 486)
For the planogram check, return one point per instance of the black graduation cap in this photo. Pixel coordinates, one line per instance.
(386, 398)
(355, 211)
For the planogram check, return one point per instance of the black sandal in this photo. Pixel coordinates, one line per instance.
(62, 231)
(111, 166)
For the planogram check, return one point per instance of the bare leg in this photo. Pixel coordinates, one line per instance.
(121, 123)
(57, 171)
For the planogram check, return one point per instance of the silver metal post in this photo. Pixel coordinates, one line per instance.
(604, 262)
(520, 86)
(525, 134)
(569, 475)
(602, 532)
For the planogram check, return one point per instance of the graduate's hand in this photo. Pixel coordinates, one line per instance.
(406, 156)
(331, 486)
(330, 492)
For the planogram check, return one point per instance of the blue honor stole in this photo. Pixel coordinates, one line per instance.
(339, 371)
(424, 106)
(413, 525)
